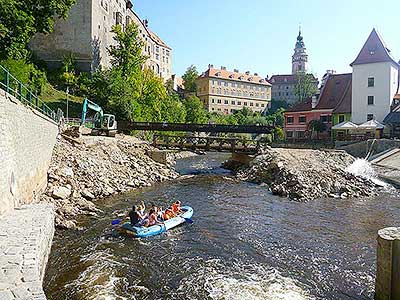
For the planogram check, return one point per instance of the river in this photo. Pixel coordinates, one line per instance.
(244, 244)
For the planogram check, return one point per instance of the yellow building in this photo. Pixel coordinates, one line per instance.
(224, 92)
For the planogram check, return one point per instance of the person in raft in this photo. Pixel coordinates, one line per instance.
(176, 207)
(136, 217)
(169, 214)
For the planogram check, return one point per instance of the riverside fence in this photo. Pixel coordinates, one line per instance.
(16, 88)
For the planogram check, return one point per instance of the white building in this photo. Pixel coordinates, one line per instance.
(375, 81)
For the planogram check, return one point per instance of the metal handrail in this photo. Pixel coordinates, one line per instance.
(16, 88)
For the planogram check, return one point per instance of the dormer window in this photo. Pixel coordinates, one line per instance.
(231, 76)
(241, 78)
(218, 74)
(371, 51)
(250, 79)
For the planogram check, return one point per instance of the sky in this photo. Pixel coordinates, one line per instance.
(259, 35)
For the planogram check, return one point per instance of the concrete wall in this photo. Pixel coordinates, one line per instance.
(27, 139)
(386, 76)
(361, 149)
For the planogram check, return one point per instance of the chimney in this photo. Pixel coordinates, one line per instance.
(267, 78)
(236, 70)
(255, 74)
(223, 68)
(247, 73)
(314, 102)
(210, 66)
(146, 22)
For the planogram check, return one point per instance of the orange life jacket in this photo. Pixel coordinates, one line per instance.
(169, 214)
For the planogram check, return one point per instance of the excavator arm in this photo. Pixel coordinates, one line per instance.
(87, 104)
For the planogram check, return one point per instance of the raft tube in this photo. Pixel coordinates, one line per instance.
(143, 232)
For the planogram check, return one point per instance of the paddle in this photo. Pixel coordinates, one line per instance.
(115, 222)
(190, 221)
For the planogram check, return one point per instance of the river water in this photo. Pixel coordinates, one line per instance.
(244, 244)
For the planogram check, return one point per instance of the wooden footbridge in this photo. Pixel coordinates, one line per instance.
(208, 143)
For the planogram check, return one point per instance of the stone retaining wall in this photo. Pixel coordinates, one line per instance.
(27, 139)
(25, 241)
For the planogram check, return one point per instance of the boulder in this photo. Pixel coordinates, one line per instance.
(61, 192)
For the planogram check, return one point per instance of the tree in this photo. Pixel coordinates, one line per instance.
(305, 86)
(189, 79)
(315, 127)
(195, 112)
(68, 75)
(127, 53)
(20, 20)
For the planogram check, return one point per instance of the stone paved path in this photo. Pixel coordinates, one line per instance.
(25, 240)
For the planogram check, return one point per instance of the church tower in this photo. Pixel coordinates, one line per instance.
(300, 57)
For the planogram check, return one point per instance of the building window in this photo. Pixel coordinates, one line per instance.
(226, 102)
(300, 134)
(370, 100)
(245, 103)
(251, 104)
(302, 119)
(239, 102)
(289, 120)
(341, 118)
(233, 102)
(262, 105)
(371, 81)
(370, 117)
(257, 104)
(225, 84)
(219, 83)
(289, 134)
(212, 100)
(325, 119)
(118, 18)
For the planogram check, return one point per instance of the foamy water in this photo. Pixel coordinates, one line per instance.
(362, 168)
(243, 282)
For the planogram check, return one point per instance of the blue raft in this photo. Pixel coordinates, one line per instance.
(142, 232)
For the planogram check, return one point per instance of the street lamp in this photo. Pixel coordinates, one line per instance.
(66, 93)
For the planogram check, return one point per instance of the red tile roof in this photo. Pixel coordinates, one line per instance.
(373, 51)
(335, 95)
(235, 76)
(334, 91)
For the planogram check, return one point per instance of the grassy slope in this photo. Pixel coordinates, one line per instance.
(57, 99)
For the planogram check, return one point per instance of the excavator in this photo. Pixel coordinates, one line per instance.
(103, 123)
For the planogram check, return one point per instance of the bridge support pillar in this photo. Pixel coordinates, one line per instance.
(387, 284)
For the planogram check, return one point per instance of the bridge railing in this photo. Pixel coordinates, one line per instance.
(207, 143)
(16, 88)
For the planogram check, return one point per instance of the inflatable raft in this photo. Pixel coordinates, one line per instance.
(142, 232)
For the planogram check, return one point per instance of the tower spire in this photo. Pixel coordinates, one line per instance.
(300, 57)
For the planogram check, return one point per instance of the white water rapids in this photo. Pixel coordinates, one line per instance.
(362, 168)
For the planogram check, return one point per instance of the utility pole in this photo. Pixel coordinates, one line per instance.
(66, 93)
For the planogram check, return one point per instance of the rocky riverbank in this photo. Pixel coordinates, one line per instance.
(303, 175)
(91, 168)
